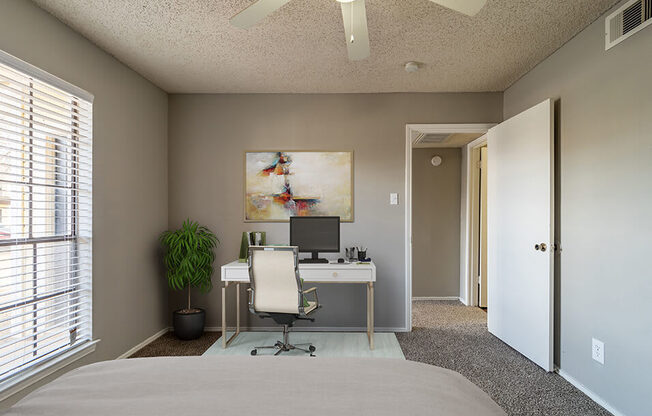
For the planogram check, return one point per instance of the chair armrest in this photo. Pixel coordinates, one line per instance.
(312, 290)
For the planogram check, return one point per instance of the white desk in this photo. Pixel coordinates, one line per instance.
(238, 273)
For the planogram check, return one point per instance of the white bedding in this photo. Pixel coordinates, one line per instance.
(178, 386)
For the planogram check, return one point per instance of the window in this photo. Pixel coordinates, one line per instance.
(45, 218)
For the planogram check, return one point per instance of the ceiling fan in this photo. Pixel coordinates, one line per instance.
(354, 16)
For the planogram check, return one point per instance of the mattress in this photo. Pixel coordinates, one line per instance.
(213, 385)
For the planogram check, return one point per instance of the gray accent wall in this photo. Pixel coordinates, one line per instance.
(436, 193)
(603, 103)
(208, 135)
(130, 189)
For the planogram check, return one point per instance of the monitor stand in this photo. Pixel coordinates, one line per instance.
(314, 259)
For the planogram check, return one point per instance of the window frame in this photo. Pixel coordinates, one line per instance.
(54, 361)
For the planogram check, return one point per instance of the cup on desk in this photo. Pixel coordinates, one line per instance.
(350, 253)
(362, 254)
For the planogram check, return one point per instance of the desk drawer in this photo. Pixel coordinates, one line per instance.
(336, 275)
(240, 274)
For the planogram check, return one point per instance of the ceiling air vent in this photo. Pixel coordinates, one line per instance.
(430, 138)
(627, 20)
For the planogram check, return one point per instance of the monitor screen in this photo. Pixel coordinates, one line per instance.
(315, 234)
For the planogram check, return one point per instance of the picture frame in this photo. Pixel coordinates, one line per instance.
(297, 182)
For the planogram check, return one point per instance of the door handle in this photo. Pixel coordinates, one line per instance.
(541, 246)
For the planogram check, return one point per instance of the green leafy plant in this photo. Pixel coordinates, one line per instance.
(189, 257)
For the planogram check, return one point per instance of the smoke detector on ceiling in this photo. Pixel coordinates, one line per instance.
(412, 66)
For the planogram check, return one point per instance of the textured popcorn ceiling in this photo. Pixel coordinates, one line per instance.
(189, 45)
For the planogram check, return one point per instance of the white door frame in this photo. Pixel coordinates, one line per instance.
(470, 231)
(412, 134)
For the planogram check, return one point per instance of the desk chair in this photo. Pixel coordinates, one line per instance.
(276, 292)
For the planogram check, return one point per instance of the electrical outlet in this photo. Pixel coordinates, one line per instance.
(597, 350)
(393, 198)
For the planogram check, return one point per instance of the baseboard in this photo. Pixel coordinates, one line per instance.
(305, 329)
(144, 343)
(437, 298)
(593, 396)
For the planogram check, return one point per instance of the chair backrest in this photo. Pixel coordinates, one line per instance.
(274, 278)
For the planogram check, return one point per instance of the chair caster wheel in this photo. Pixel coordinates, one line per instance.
(254, 352)
(311, 349)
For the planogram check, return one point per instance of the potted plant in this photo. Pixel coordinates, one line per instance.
(189, 260)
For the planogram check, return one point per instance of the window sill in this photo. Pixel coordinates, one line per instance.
(31, 375)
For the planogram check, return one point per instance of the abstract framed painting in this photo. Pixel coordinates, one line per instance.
(282, 184)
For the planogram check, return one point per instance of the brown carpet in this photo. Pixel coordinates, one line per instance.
(169, 345)
(450, 335)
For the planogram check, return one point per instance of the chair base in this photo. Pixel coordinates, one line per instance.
(285, 346)
(280, 347)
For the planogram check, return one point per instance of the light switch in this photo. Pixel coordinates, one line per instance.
(393, 198)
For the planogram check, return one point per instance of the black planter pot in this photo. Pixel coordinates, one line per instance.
(189, 326)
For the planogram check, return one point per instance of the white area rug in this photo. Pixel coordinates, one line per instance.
(327, 344)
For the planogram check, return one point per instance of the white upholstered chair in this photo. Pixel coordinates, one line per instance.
(277, 292)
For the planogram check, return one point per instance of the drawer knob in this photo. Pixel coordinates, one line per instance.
(334, 274)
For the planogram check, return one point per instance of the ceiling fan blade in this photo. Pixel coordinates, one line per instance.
(468, 7)
(256, 12)
(354, 15)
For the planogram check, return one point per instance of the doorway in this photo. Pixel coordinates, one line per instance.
(437, 136)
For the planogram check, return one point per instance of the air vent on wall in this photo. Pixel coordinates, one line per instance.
(430, 138)
(627, 20)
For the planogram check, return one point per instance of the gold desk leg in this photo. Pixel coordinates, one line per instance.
(237, 303)
(226, 284)
(368, 321)
(226, 341)
(370, 314)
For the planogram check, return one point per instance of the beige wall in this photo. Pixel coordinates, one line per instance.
(436, 222)
(129, 174)
(604, 182)
(209, 133)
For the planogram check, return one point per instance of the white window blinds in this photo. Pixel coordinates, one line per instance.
(45, 218)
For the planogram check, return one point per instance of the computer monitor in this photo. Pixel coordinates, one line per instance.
(314, 235)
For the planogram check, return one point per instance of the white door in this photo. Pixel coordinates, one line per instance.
(520, 233)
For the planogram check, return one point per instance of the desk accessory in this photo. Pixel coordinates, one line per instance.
(251, 238)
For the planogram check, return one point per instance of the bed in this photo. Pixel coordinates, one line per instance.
(213, 386)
